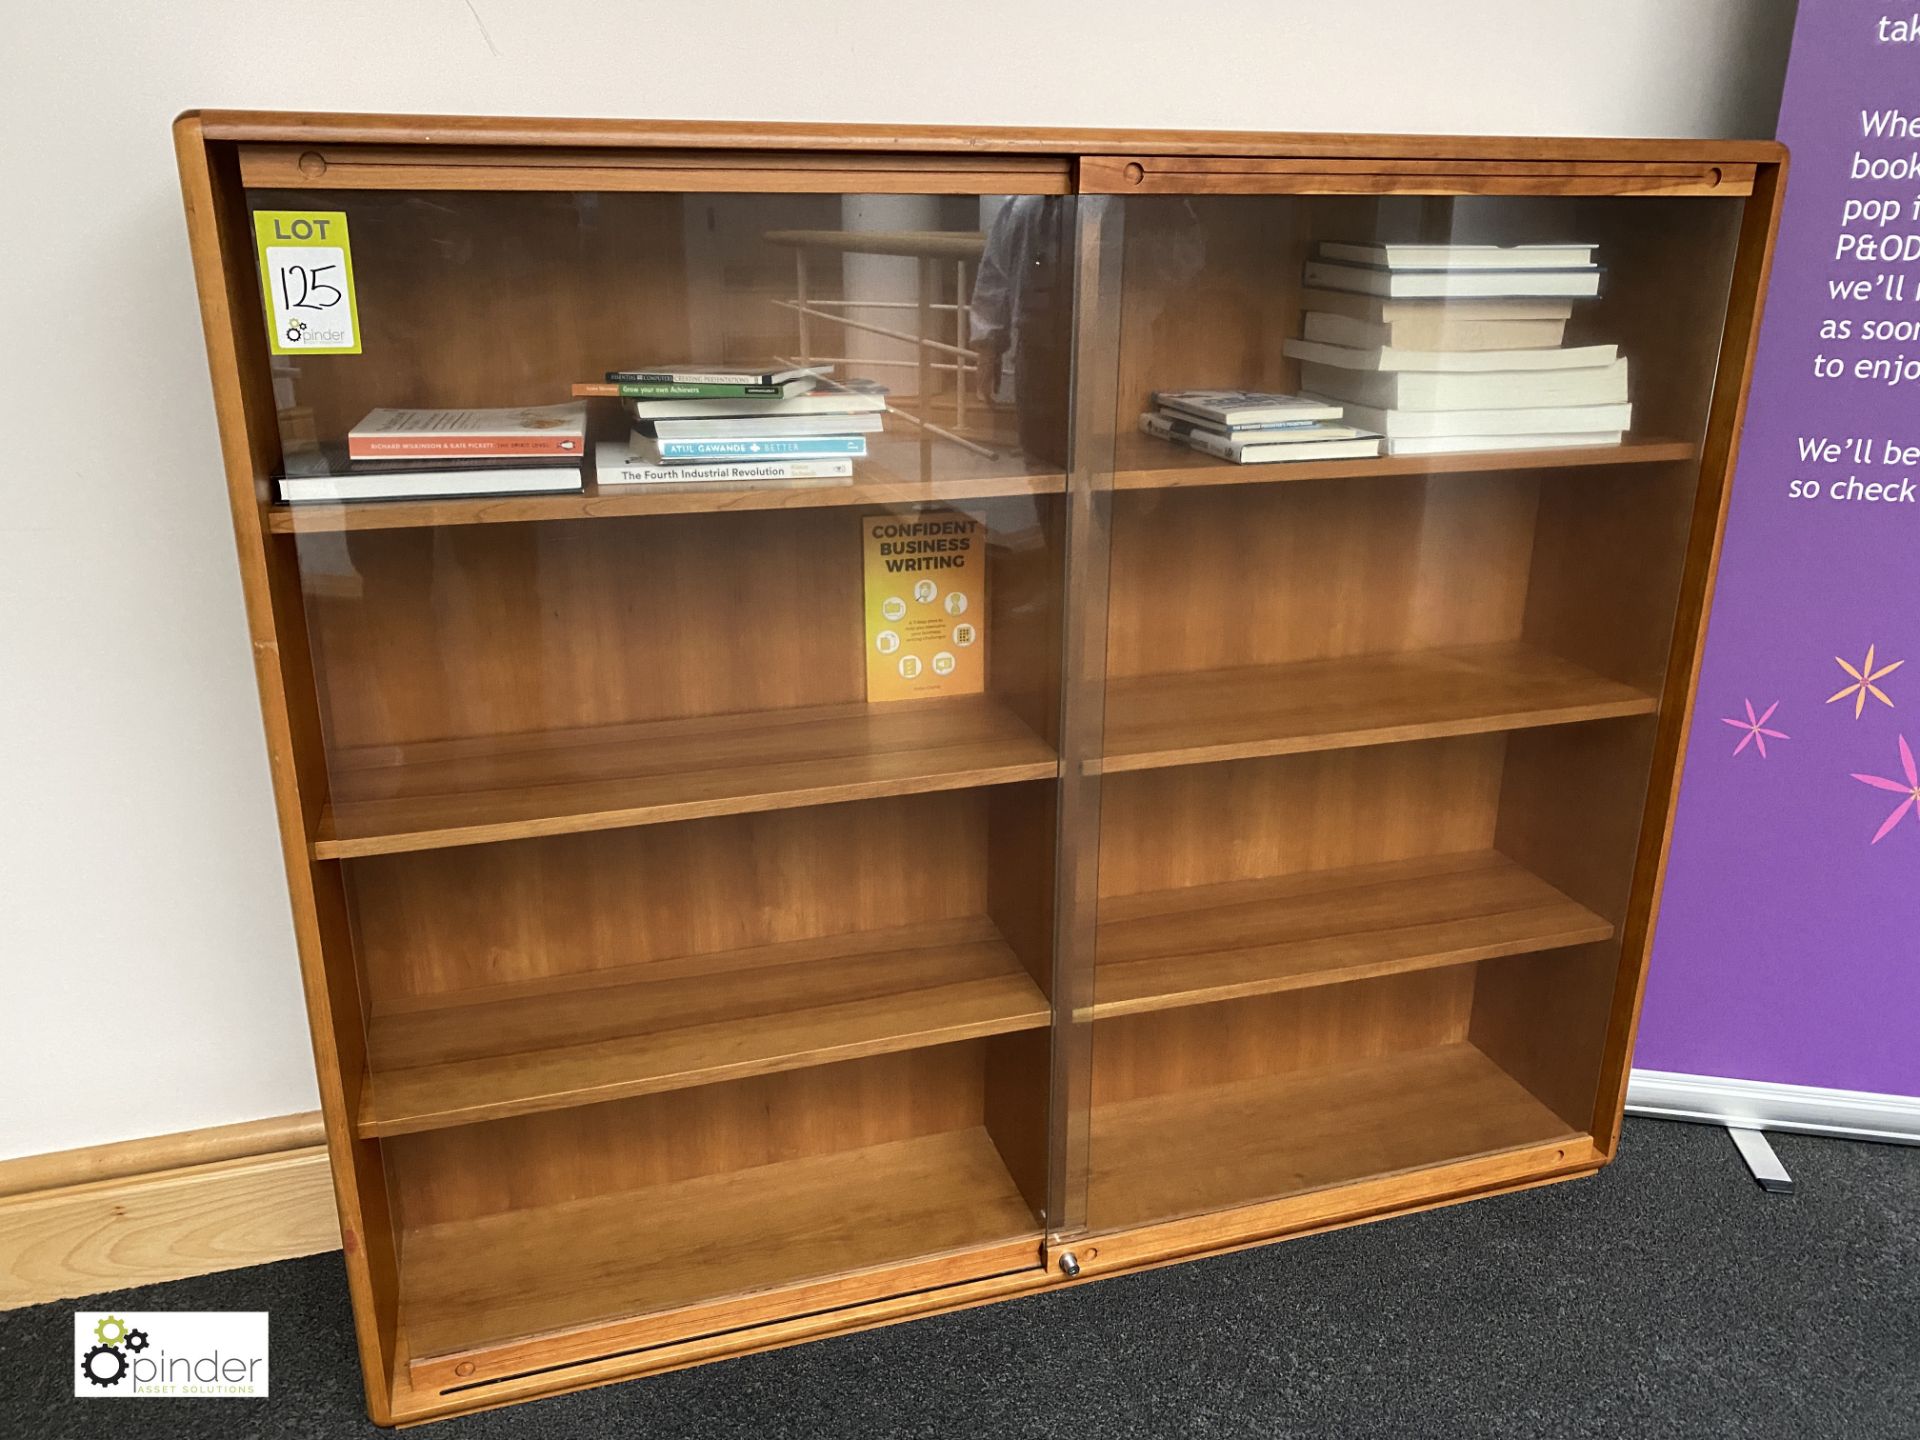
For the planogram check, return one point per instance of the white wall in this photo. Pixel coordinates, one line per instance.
(147, 973)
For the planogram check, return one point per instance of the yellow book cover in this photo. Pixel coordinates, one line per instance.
(926, 589)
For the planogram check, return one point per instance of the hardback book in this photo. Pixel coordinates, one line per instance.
(1236, 408)
(1457, 444)
(1172, 425)
(1397, 424)
(827, 397)
(1461, 257)
(470, 434)
(1388, 357)
(691, 390)
(430, 483)
(1263, 449)
(1449, 284)
(1434, 326)
(725, 427)
(758, 372)
(616, 465)
(1385, 310)
(751, 447)
(1491, 390)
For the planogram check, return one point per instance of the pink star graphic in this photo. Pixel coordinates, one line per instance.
(1910, 787)
(1756, 728)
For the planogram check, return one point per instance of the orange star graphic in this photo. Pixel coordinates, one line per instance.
(1863, 682)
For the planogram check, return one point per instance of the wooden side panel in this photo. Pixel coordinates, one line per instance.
(236, 351)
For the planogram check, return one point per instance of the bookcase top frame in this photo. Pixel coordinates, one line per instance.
(291, 128)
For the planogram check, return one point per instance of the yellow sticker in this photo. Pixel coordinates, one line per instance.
(306, 279)
(926, 589)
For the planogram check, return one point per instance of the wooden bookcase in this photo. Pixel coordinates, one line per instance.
(1296, 866)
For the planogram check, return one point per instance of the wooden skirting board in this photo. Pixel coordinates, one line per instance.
(81, 1222)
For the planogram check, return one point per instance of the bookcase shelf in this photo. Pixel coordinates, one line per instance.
(587, 1037)
(1148, 464)
(1210, 943)
(1192, 1151)
(1249, 833)
(1159, 720)
(389, 799)
(897, 476)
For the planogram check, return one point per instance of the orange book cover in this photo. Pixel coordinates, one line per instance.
(926, 602)
(557, 430)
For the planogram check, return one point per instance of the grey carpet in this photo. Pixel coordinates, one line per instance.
(1666, 1296)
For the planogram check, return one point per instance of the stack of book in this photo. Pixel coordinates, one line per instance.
(1445, 348)
(440, 454)
(1250, 427)
(736, 425)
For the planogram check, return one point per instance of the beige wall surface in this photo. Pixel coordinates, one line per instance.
(147, 974)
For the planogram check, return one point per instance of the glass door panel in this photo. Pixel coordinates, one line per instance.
(1382, 671)
(692, 787)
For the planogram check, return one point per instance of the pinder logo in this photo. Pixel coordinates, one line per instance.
(169, 1354)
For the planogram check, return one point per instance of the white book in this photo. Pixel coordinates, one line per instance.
(853, 397)
(1462, 257)
(1387, 357)
(617, 467)
(1490, 390)
(1246, 407)
(1449, 284)
(725, 427)
(1438, 326)
(430, 484)
(1261, 451)
(1460, 444)
(1383, 309)
(1399, 424)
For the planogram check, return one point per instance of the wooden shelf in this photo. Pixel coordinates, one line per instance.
(463, 792)
(892, 477)
(1194, 1151)
(1210, 715)
(1145, 463)
(473, 1283)
(577, 1039)
(1253, 937)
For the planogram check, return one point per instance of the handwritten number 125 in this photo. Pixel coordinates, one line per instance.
(310, 288)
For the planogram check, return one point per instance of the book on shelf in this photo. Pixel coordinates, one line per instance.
(1398, 423)
(1447, 284)
(329, 476)
(528, 430)
(1238, 408)
(689, 390)
(1388, 357)
(617, 467)
(683, 372)
(721, 427)
(1260, 447)
(827, 397)
(1487, 390)
(1435, 326)
(1461, 444)
(1396, 256)
(751, 447)
(1385, 310)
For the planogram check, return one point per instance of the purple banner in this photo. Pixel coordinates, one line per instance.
(1788, 947)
